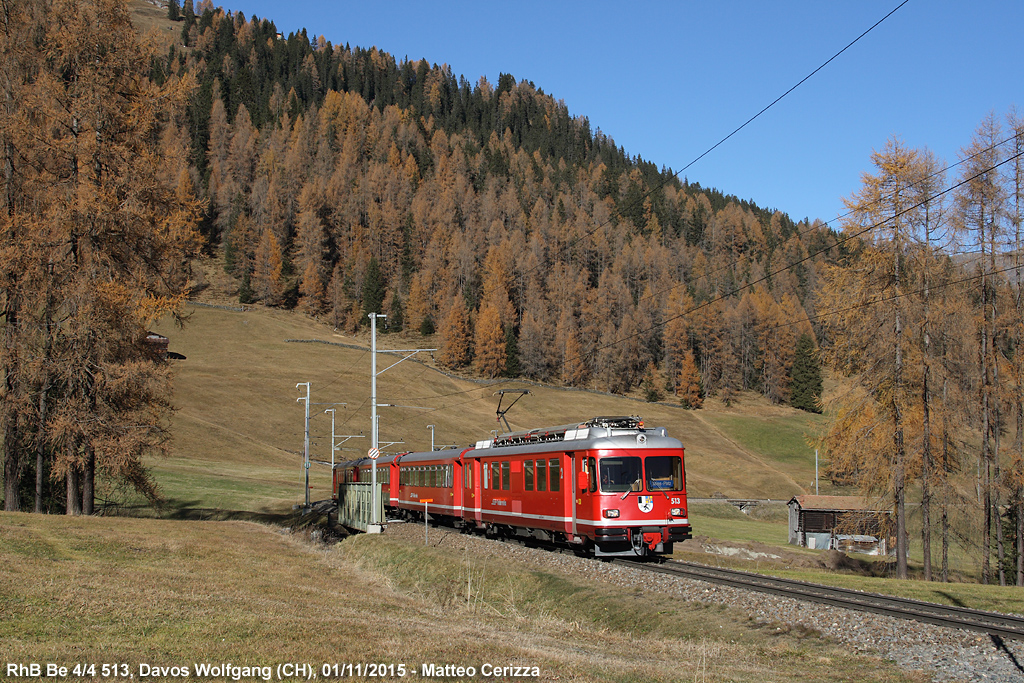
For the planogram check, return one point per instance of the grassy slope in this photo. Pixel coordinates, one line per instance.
(175, 593)
(238, 431)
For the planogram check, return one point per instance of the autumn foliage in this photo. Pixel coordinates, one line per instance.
(97, 227)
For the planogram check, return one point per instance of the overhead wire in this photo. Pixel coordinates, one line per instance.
(676, 174)
(810, 255)
(664, 182)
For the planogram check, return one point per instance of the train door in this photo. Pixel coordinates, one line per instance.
(474, 502)
(577, 480)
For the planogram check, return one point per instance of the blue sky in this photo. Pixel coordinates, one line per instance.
(667, 80)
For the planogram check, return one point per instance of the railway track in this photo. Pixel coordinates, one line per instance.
(993, 623)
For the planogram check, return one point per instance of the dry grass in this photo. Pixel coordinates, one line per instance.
(238, 417)
(176, 593)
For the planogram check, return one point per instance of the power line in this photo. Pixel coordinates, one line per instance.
(675, 175)
(766, 276)
(762, 251)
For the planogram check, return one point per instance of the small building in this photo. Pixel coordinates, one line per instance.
(157, 344)
(846, 523)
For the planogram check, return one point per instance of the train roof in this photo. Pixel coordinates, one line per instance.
(598, 432)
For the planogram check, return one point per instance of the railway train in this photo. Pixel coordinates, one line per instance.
(608, 486)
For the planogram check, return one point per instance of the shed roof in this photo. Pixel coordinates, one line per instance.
(836, 503)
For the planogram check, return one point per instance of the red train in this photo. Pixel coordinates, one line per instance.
(608, 486)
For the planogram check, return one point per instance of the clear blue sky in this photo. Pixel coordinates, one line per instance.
(667, 80)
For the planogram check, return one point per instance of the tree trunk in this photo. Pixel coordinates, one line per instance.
(74, 495)
(89, 484)
(40, 449)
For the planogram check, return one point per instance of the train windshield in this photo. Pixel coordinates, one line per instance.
(618, 474)
(664, 473)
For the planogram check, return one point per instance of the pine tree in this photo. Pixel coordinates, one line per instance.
(805, 391)
(374, 290)
(649, 384)
(173, 10)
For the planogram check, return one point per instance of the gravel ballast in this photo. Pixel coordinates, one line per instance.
(948, 654)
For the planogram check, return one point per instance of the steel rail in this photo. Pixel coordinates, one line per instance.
(992, 623)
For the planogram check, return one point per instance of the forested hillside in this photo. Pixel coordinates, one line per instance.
(343, 182)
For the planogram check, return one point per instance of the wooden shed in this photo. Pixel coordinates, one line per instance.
(847, 523)
(157, 344)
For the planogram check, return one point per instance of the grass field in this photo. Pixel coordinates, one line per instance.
(168, 585)
(238, 417)
(177, 593)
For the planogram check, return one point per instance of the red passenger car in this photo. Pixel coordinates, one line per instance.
(607, 486)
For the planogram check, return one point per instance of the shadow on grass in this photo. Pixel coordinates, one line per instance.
(181, 509)
(955, 601)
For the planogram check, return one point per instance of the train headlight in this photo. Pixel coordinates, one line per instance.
(678, 512)
(611, 514)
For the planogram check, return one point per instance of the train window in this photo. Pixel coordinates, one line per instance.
(665, 473)
(542, 475)
(619, 474)
(496, 475)
(467, 475)
(555, 470)
(593, 475)
(528, 475)
(505, 476)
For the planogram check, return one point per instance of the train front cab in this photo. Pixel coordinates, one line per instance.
(630, 502)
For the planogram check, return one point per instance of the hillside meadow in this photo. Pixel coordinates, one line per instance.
(180, 593)
(238, 430)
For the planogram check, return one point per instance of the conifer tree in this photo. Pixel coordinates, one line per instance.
(649, 384)
(489, 343)
(690, 391)
(512, 366)
(871, 342)
(100, 230)
(455, 335)
(805, 392)
(268, 264)
(374, 289)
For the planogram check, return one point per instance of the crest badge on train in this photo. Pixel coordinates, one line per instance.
(645, 503)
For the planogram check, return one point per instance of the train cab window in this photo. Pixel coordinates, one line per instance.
(528, 475)
(620, 474)
(555, 470)
(505, 476)
(665, 473)
(542, 475)
(593, 474)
